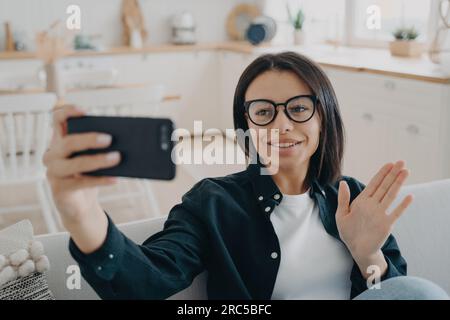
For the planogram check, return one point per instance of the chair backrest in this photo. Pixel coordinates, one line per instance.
(24, 132)
(120, 101)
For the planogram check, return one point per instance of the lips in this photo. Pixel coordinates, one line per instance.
(285, 143)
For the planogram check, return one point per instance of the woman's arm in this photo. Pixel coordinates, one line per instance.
(114, 265)
(164, 264)
(90, 234)
(395, 266)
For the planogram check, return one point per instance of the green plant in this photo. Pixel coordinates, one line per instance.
(296, 19)
(405, 34)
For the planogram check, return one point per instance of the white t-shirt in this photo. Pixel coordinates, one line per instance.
(313, 265)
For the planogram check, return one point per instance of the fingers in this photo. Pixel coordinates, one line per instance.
(63, 168)
(81, 141)
(343, 198)
(377, 179)
(60, 116)
(65, 146)
(395, 188)
(388, 180)
(401, 208)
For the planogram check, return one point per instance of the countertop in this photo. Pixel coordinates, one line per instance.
(377, 61)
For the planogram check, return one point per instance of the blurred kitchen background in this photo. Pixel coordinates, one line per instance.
(389, 62)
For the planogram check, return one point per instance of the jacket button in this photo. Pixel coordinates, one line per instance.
(260, 198)
(111, 256)
(276, 197)
(274, 255)
(99, 268)
(267, 209)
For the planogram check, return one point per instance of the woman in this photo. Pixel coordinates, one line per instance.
(301, 231)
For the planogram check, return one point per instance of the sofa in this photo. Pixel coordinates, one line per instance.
(423, 234)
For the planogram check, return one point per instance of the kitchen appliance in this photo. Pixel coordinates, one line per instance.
(261, 29)
(183, 28)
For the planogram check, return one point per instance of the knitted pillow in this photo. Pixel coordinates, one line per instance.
(22, 264)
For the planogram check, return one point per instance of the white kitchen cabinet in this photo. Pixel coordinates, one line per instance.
(231, 66)
(389, 119)
(419, 146)
(15, 74)
(366, 150)
(386, 118)
(193, 75)
(20, 66)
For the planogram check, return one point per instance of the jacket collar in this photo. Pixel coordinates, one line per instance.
(267, 193)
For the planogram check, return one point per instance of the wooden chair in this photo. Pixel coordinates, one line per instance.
(24, 136)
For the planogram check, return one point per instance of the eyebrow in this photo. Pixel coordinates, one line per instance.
(278, 101)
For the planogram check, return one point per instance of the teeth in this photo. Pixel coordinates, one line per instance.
(285, 145)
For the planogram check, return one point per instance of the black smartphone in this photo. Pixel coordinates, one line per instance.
(145, 145)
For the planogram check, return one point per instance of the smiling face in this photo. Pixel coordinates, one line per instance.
(297, 141)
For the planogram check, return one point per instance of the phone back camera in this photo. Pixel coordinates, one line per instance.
(164, 138)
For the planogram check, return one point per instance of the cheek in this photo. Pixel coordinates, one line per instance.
(258, 134)
(312, 131)
(254, 133)
(316, 132)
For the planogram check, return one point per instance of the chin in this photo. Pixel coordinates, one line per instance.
(289, 163)
(288, 166)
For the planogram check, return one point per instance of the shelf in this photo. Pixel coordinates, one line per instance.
(377, 61)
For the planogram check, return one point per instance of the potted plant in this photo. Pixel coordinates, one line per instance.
(297, 21)
(405, 44)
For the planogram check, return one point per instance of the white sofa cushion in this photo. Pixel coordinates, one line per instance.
(22, 264)
(423, 232)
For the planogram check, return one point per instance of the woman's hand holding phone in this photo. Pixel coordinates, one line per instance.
(75, 194)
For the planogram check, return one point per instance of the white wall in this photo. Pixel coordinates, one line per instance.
(103, 17)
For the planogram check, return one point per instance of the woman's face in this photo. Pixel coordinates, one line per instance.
(297, 141)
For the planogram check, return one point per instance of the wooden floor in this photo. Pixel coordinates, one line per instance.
(168, 193)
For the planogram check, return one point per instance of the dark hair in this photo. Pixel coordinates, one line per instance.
(325, 164)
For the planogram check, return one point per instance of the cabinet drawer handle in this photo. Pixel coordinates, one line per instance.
(367, 116)
(390, 85)
(413, 129)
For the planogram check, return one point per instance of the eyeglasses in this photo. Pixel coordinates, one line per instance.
(298, 109)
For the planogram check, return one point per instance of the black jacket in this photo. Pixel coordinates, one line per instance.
(223, 226)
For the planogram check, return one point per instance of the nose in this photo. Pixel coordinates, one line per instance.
(282, 122)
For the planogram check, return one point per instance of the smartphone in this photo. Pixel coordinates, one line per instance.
(145, 145)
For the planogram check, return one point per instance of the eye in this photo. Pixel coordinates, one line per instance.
(263, 112)
(298, 109)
